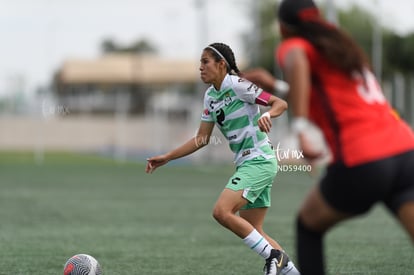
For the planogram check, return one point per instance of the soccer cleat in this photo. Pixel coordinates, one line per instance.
(290, 269)
(276, 262)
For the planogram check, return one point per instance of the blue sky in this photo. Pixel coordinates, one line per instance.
(38, 35)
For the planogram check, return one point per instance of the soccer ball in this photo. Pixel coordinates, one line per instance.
(82, 264)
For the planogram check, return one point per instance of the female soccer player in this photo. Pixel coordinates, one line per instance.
(231, 103)
(331, 84)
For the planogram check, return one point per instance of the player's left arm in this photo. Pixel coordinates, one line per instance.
(249, 92)
(277, 107)
(267, 81)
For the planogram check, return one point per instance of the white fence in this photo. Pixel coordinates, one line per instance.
(122, 137)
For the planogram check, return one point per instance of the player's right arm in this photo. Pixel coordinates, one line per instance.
(200, 140)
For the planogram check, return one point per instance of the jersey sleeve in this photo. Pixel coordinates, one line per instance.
(289, 44)
(249, 92)
(206, 114)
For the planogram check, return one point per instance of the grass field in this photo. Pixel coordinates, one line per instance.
(135, 223)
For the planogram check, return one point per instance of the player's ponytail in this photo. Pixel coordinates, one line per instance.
(223, 51)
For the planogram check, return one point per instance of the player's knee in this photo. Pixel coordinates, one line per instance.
(221, 215)
(307, 220)
(313, 223)
(217, 214)
(406, 217)
(304, 229)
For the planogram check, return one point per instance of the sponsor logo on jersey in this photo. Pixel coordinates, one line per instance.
(245, 153)
(232, 137)
(254, 87)
(212, 103)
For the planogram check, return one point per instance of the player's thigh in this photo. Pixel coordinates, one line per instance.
(229, 201)
(254, 178)
(317, 214)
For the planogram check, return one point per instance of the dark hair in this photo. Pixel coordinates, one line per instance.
(336, 46)
(226, 53)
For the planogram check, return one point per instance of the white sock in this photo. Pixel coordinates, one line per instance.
(258, 243)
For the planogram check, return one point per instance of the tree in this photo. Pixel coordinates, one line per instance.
(260, 45)
(359, 24)
(398, 51)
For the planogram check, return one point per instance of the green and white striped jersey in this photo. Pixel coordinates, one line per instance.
(234, 110)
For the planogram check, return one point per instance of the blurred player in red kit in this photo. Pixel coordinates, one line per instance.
(332, 86)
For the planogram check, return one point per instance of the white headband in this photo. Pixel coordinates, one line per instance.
(219, 54)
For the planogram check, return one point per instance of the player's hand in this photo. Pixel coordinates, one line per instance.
(155, 162)
(265, 123)
(311, 150)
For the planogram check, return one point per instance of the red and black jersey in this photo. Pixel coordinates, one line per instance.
(356, 120)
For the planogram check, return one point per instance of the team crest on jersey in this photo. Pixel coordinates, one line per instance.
(227, 99)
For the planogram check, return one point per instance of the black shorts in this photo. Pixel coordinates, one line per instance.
(356, 189)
